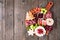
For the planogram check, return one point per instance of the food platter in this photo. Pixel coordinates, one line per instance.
(39, 21)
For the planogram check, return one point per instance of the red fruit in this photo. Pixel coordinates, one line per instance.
(40, 31)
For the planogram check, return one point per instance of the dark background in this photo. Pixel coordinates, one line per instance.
(12, 16)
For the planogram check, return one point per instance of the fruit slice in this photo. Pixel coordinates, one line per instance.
(40, 31)
(50, 21)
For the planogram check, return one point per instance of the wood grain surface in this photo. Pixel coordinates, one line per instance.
(12, 16)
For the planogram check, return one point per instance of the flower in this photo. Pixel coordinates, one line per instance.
(43, 10)
(30, 32)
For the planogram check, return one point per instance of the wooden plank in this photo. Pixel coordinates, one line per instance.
(55, 34)
(1, 35)
(8, 19)
(3, 20)
(18, 17)
(21, 7)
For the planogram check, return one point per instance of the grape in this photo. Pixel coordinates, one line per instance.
(35, 15)
(36, 18)
(49, 28)
(40, 15)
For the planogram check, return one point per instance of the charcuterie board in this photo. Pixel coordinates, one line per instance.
(39, 21)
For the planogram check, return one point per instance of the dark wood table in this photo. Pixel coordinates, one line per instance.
(12, 16)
